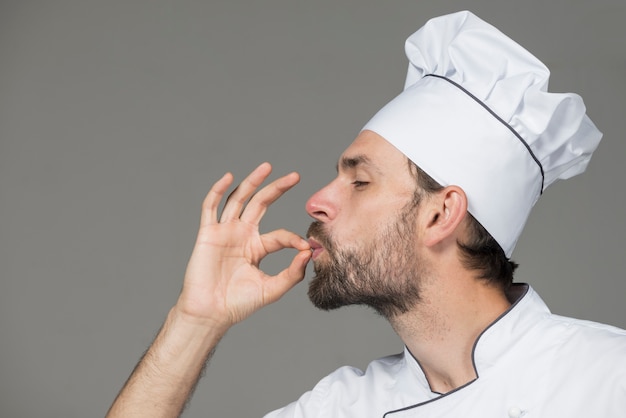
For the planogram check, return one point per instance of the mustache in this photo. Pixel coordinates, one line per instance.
(317, 232)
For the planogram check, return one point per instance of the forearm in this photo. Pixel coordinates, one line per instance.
(223, 285)
(165, 378)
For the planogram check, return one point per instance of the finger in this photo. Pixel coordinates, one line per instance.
(266, 196)
(280, 284)
(281, 238)
(237, 199)
(213, 199)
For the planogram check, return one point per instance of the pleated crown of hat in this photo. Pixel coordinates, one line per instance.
(475, 112)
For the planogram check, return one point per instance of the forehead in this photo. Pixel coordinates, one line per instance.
(371, 149)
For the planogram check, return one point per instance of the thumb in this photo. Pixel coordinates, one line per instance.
(280, 284)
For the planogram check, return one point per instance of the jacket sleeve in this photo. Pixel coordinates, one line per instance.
(323, 400)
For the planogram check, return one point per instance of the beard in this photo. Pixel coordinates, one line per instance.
(383, 273)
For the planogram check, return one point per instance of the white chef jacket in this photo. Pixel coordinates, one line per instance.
(529, 362)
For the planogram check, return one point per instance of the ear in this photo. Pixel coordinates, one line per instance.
(445, 212)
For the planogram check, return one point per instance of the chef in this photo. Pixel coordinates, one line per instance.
(419, 224)
(475, 114)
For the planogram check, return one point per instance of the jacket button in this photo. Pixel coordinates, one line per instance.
(515, 412)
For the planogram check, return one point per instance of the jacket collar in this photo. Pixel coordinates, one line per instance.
(501, 335)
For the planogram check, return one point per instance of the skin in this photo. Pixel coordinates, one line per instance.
(363, 235)
(454, 306)
(223, 284)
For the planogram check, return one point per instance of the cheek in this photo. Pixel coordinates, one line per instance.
(355, 232)
(363, 216)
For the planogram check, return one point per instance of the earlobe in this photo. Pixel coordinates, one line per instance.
(448, 208)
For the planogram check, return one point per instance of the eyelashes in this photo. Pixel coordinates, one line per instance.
(358, 183)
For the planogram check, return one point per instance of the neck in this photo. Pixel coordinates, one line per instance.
(440, 331)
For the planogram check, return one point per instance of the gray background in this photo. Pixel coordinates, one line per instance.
(117, 116)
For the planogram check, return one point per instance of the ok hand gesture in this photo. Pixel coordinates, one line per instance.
(223, 283)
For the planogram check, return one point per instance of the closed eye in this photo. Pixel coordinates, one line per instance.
(358, 183)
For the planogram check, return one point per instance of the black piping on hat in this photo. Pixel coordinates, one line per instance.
(495, 115)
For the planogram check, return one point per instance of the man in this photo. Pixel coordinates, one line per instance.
(419, 224)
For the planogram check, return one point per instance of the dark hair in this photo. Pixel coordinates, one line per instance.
(481, 252)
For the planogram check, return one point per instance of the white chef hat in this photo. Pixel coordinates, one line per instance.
(475, 112)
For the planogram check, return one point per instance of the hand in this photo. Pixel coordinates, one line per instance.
(223, 283)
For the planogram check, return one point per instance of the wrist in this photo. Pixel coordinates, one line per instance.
(188, 324)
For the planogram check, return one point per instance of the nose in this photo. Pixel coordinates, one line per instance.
(322, 205)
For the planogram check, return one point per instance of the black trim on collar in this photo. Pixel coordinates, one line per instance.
(515, 294)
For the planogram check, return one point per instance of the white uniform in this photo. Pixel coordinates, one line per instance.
(529, 363)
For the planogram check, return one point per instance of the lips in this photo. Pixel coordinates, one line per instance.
(316, 248)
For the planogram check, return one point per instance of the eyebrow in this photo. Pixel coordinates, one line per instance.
(355, 161)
